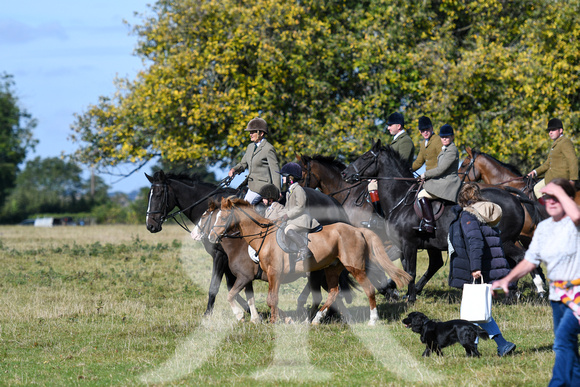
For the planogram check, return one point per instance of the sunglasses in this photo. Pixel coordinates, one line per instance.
(545, 198)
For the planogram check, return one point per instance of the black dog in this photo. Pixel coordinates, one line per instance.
(438, 335)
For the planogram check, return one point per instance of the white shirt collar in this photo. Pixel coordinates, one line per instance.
(398, 134)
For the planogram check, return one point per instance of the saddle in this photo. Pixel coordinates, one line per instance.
(289, 246)
(438, 206)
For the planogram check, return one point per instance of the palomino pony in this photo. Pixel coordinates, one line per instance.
(337, 246)
(395, 183)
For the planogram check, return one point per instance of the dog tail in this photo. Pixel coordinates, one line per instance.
(378, 255)
(481, 333)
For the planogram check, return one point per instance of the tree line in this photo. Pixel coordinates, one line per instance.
(326, 74)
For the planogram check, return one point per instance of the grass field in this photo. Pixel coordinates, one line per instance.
(116, 305)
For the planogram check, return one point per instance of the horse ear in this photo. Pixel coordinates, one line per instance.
(298, 157)
(149, 178)
(377, 144)
(469, 151)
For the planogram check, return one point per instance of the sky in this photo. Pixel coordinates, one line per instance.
(63, 55)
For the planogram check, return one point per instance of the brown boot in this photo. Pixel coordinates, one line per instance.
(427, 224)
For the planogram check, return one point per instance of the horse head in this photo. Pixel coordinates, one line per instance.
(468, 168)
(224, 219)
(161, 201)
(203, 227)
(365, 166)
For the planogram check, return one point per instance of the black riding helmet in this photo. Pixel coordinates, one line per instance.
(292, 169)
(270, 191)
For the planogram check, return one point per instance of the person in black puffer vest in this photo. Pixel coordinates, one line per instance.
(476, 250)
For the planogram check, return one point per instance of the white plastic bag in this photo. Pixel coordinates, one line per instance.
(476, 303)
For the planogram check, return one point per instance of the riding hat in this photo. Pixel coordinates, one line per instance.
(292, 169)
(257, 124)
(555, 123)
(425, 123)
(396, 118)
(446, 131)
(270, 191)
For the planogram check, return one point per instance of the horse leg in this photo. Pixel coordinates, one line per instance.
(272, 299)
(241, 282)
(361, 277)
(315, 280)
(435, 263)
(332, 273)
(410, 266)
(220, 262)
(254, 315)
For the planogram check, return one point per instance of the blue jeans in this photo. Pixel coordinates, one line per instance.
(566, 371)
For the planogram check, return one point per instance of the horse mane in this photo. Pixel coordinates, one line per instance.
(233, 201)
(512, 168)
(190, 179)
(329, 161)
(399, 164)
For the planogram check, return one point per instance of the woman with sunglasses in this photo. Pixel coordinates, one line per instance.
(556, 242)
(261, 161)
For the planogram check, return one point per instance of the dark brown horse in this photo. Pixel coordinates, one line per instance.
(481, 167)
(337, 241)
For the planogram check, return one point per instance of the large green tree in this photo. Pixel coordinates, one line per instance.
(16, 139)
(325, 74)
(52, 185)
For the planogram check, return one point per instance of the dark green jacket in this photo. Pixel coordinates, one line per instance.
(404, 147)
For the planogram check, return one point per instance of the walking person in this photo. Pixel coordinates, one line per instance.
(477, 252)
(261, 161)
(556, 242)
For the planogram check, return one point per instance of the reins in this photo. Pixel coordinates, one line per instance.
(181, 222)
(270, 228)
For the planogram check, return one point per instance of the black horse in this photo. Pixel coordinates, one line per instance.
(395, 183)
(182, 191)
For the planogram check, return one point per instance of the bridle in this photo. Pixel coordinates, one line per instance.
(270, 227)
(164, 214)
(164, 203)
(470, 167)
(357, 173)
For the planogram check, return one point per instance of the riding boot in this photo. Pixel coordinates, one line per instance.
(427, 224)
(302, 243)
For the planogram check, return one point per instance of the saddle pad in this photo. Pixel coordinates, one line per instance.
(253, 254)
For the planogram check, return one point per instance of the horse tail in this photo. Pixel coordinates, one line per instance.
(481, 333)
(378, 255)
(347, 285)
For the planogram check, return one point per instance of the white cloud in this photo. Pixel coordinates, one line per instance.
(15, 32)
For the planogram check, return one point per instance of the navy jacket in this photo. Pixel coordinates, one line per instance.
(477, 247)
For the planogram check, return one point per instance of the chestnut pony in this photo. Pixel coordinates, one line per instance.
(337, 246)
